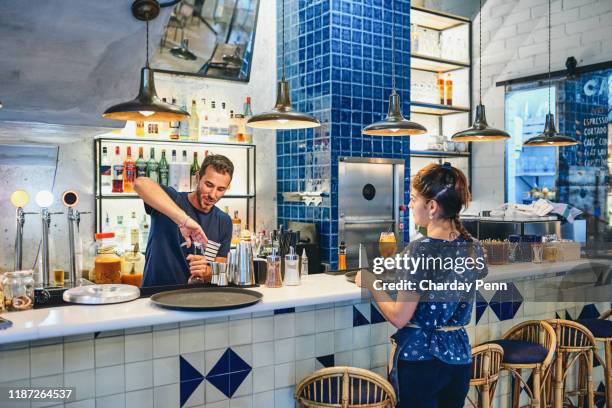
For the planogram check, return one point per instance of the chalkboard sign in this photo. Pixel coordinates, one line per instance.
(582, 107)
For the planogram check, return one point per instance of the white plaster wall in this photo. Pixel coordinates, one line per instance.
(514, 35)
(75, 143)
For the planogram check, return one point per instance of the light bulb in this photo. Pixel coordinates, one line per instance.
(283, 121)
(394, 130)
(146, 113)
(44, 199)
(20, 198)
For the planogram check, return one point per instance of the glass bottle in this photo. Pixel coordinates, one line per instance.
(223, 121)
(140, 128)
(106, 173)
(134, 230)
(441, 87)
(247, 131)
(141, 164)
(236, 227)
(184, 125)
(213, 120)
(163, 169)
(174, 126)
(204, 125)
(185, 177)
(144, 232)
(274, 278)
(18, 290)
(129, 172)
(118, 172)
(107, 265)
(120, 233)
(342, 256)
(153, 167)
(448, 89)
(194, 122)
(174, 173)
(304, 263)
(193, 172)
(292, 273)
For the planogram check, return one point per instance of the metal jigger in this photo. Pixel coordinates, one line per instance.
(70, 199)
(19, 199)
(44, 199)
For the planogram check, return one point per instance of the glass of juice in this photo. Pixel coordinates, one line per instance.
(58, 277)
(387, 245)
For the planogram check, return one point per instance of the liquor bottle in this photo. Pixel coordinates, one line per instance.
(184, 125)
(129, 172)
(194, 171)
(247, 115)
(223, 121)
(241, 134)
(152, 130)
(106, 172)
(185, 173)
(174, 126)
(233, 127)
(236, 228)
(164, 127)
(118, 172)
(153, 167)
(120, 233)
(140, 128)
(213, 124)
(194, 122)
(342, 256)
(174, 173)
(144, 232)
(448, 89)
(134, 230)
(141, 164)
(163, 169)
(441, 87)
(204, 123)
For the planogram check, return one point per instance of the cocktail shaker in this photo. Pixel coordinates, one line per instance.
(244, 275)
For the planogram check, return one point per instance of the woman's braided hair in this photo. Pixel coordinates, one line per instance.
(448, 186)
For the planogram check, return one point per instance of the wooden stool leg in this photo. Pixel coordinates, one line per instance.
(581, 381)
(608, 371)
(558, 381)
(516, 389)
(485, 401)
(589, 379)
(536, 387)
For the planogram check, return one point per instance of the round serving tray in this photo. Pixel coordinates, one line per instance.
(206, 298)
(103, 294)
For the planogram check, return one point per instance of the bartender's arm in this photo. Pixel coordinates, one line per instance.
(153, 195)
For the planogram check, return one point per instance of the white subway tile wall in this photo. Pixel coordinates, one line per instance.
(207, 365)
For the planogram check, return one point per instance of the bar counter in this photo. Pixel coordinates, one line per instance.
(136, 354)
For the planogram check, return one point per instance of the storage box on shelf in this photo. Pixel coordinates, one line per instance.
(111, 203)
(440, 51)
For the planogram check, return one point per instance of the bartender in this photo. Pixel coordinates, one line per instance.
(178, 219)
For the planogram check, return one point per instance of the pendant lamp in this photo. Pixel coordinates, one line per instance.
(146, 106)
(480, 130)
(283, 116)
(550, 137)
(394, 124)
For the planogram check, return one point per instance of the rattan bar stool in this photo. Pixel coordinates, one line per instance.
(344, 387)
(529, 345)
(602, 331)
(486, 366)
(574, 343)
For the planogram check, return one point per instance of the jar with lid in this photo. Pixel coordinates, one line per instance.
(18, 289)
(274, 278)
(107, 265)
(132, 266)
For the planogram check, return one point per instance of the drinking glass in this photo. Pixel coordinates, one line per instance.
(387, 245)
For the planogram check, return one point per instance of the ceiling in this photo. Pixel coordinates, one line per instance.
(66, 61)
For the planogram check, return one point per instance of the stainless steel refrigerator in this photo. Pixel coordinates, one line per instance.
(370, 191)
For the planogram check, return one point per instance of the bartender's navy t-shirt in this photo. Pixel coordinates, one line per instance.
(166, 261)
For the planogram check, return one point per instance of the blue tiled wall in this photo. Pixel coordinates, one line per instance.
(339, 66)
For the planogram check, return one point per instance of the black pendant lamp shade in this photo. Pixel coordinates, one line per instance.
(146, 106)
(394, 124)
(480, 130)
(550, 137)
(282, 116)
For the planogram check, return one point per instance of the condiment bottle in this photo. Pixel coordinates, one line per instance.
(274, 278)
(304, 263)
(342, 256)
(292, 274)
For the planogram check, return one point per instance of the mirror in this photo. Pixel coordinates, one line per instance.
(209, 38)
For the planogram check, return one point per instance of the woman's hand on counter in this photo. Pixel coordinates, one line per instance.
(198, 266)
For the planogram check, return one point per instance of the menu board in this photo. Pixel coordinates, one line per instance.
(582, 108)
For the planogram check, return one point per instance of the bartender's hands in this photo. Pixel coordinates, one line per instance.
(198, 266)
(192, 232)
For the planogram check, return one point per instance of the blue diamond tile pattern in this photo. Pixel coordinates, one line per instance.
(375, 315)
(228, 373)
(505, 303)
(190, 379)
(481, 306)
(568, 316)
(589, 312)
(358, 318)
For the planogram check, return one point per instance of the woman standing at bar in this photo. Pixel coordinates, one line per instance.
(431, 351)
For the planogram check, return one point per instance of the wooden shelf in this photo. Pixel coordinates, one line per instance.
(437, 153)
(433, 64)
(436, 109)
(435, 19)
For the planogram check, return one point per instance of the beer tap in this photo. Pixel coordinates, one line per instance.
(44, 199)
(19, 199)
(70, 199)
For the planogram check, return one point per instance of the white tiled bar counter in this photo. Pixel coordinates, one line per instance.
(139, 355)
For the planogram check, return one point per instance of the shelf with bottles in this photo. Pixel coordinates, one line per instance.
(438, 93)
(441, 35)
